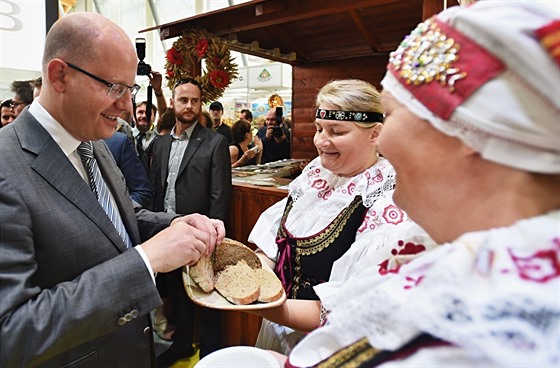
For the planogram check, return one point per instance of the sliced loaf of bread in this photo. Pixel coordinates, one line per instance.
(238, 283)
(230, 252)
(202, 273)
(270, 287)
(236, 272)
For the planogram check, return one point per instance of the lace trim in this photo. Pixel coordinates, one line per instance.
(387, 186)
(364, 184)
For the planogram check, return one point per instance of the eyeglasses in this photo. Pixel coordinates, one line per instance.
(116, 90)
(16, 104)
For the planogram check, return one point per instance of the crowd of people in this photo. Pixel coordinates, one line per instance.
(426, 232)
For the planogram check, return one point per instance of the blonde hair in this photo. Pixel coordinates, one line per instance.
(351, 95)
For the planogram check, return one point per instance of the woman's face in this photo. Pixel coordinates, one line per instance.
(424, 159)
(345, 148)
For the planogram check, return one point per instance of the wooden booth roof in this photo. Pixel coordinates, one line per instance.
(300, 32)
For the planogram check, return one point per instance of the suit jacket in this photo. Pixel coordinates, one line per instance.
(134, 172)
(204, 180)
(70, 291)
(225, 130)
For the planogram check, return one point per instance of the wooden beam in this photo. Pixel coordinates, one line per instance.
(271, 12)
(431, 7)
(364, 31)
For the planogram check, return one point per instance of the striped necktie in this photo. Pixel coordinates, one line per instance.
(101, 191)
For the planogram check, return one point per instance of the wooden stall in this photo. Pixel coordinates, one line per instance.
(322, 40)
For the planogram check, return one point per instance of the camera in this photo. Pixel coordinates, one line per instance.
(278, 131)
(143, 68)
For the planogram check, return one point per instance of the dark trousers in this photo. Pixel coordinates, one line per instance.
(183, 316)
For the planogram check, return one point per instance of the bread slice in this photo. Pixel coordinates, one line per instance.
(230, 252)
(238, 284)
(270, 287)
(202, 273)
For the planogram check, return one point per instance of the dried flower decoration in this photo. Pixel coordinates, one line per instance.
(187, 52)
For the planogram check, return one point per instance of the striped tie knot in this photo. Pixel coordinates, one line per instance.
(85, 151)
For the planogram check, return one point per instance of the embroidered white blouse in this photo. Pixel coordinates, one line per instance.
(493, 294)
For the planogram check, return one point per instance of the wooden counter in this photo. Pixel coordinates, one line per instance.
(248, 202)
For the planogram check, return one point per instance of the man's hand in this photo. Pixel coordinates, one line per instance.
(215, 228)
(183, 243)
(155, 81)
(269, 130)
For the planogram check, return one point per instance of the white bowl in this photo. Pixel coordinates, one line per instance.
(239, 356)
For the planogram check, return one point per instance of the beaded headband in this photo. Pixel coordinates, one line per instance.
(441, 67)
(340, 115)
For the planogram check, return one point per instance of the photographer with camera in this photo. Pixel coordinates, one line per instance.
(145, 111)
(276, 141)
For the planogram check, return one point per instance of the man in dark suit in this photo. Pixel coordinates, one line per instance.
(133, 170)
(190, 173)
(72, 292)
(216, 111)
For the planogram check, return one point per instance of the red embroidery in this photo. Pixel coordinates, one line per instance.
(327, 194)
(542, 266)
(364, 225)
(319, 184)
(351, 188)
(393, 215)
(414, 282)
(393, 265)
(378, 178)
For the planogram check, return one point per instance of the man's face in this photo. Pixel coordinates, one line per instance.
(216, 116)
(186, 103)
(7, 115)
(271, 118)
(142, 118)
(18, 104)
(89, 113)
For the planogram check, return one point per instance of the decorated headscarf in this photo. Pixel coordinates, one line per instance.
(489, 75)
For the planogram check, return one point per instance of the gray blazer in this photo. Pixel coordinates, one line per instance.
(71, 294)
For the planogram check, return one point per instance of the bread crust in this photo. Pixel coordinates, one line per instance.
(202, 272)
(270, 287)
(238, 284)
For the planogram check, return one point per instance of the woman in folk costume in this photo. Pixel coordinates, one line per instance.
(339, 211)
(472, 128)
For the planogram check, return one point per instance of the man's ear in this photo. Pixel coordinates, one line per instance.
(56, 73)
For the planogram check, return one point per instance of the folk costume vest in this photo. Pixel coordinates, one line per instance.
(306, 262)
